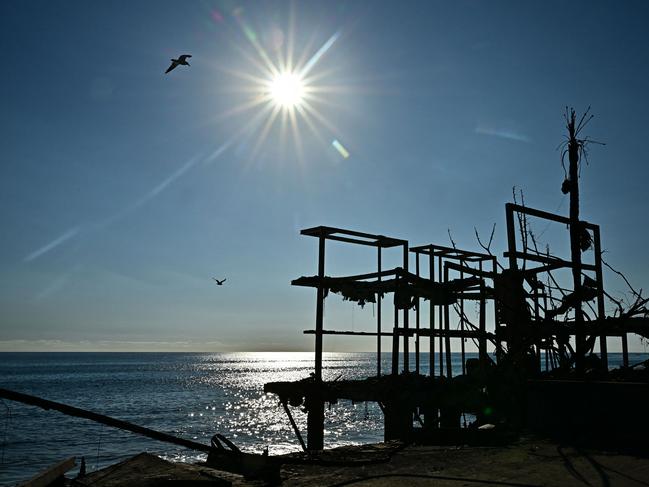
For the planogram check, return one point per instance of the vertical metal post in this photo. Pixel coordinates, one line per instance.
(441, 321)
(625, 350)
(462, 346)
(511, 235)
(315, 404)
(406, 313)
(547, 347)
(537, 320)
(431, 318)
(395, 340)
(599, 277)
(319, 313)
(494, 270)
(417, 320)
(379, 298)
(447, 338)
(482, 342)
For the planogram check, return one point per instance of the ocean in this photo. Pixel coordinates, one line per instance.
(191, 395)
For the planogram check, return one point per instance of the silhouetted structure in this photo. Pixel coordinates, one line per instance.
(530, 329)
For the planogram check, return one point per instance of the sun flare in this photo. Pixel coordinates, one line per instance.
(287, 90)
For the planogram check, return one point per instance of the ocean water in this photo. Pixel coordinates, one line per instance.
(191, 395)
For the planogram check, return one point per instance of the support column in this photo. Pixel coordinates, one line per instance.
(315, 405)
(441, 321)
(378, 317)
(462, 345)
(406, 312)
(431, 263)
(601, 312)
(395, 341)
(482, 341)
(447, 338)
(398, 421)
(575, 240)
(417, 322)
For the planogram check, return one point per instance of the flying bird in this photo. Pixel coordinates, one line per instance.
(220, 283)
(177, 62)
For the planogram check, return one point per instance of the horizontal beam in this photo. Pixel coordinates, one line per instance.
(555, 262)
(546, 216)
(470, 271)
(314, 281)
(440, 250)
(436, 332)
(370, 239)
(369, 243)
(349, 333)
(544, 268)
(406, 331)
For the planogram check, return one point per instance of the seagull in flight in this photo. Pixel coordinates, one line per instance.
(177, 62)
(220, 283)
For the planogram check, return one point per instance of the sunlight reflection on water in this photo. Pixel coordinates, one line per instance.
(189, 395)
(185, 394)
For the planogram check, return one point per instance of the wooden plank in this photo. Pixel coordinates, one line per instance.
(48, 476)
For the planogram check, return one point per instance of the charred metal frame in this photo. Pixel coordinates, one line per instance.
(315, 405)
(398, 417)
(453, 259)
(520, 332)
(550, 263)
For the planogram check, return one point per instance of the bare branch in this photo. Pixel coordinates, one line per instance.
(451, 239)
(633, 291)
(617, 302)
(487, 248)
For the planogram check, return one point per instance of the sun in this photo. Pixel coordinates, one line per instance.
(291, 91)
(287, 90)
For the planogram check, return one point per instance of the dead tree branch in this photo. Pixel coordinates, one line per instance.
(451, 239)
(633, 291)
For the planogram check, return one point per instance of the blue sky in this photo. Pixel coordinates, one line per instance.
(124, 190)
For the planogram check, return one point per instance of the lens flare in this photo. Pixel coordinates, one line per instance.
(341, 149)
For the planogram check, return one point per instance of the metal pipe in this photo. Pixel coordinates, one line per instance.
(379, 298)
(417, 320)
(100, 418)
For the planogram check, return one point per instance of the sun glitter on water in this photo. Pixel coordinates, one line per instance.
(287, 90)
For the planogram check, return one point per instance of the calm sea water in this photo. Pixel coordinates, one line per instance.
(192, 395)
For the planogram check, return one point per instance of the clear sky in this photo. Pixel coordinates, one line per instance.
(123, 190)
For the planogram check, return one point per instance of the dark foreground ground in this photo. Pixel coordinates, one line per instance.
(528, 462)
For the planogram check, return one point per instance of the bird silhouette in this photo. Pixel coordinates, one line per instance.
(177, 62)
(220, 283)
